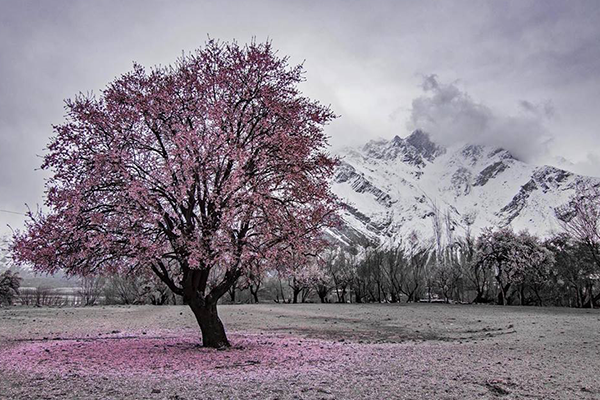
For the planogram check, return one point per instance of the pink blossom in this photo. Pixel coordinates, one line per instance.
(198, 172)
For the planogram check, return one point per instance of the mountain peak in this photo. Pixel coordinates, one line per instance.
(418, 136)
(422, 143)
(414, 149)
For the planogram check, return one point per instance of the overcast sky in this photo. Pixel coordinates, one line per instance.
(520, 74)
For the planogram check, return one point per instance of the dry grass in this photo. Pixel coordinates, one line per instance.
(302, 351)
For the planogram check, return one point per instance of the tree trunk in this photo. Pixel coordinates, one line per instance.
(502, 295)
(322, 292)
(254, 294)
(281, 290)
(480, 298)
(357, 297)
(539, 297)
(522, 295)
(304, 294)
(343, 297)
(213, 331)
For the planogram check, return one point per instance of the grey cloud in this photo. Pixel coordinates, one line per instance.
(590, 165)
(543, 109)
(450, 115)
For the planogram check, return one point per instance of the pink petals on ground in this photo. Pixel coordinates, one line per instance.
(168, 354)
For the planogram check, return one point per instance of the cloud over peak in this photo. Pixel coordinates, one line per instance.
(451, 115)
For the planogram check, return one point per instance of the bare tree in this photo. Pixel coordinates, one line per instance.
(90, 289)
(341, 266)
(42, 295)
(255, 282)
(415, 278)
(580, 219)
(123, 289)
(394, 270)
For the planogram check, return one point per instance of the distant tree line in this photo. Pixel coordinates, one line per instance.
(92, 290)
(499, 266)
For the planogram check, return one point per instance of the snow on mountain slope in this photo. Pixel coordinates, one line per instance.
(395, 187)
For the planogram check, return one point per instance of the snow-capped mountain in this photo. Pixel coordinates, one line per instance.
(396, 187)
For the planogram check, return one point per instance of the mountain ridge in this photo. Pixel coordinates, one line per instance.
(396, 188)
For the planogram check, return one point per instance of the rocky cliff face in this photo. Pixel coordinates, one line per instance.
(396, 187)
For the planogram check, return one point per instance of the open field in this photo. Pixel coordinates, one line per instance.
(302, 351)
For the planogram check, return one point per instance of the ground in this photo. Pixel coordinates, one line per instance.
(330, 351)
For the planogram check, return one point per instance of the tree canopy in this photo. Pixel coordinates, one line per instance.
(198, 172)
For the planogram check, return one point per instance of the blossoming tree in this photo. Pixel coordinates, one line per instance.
(513, 258)
(197, 172)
